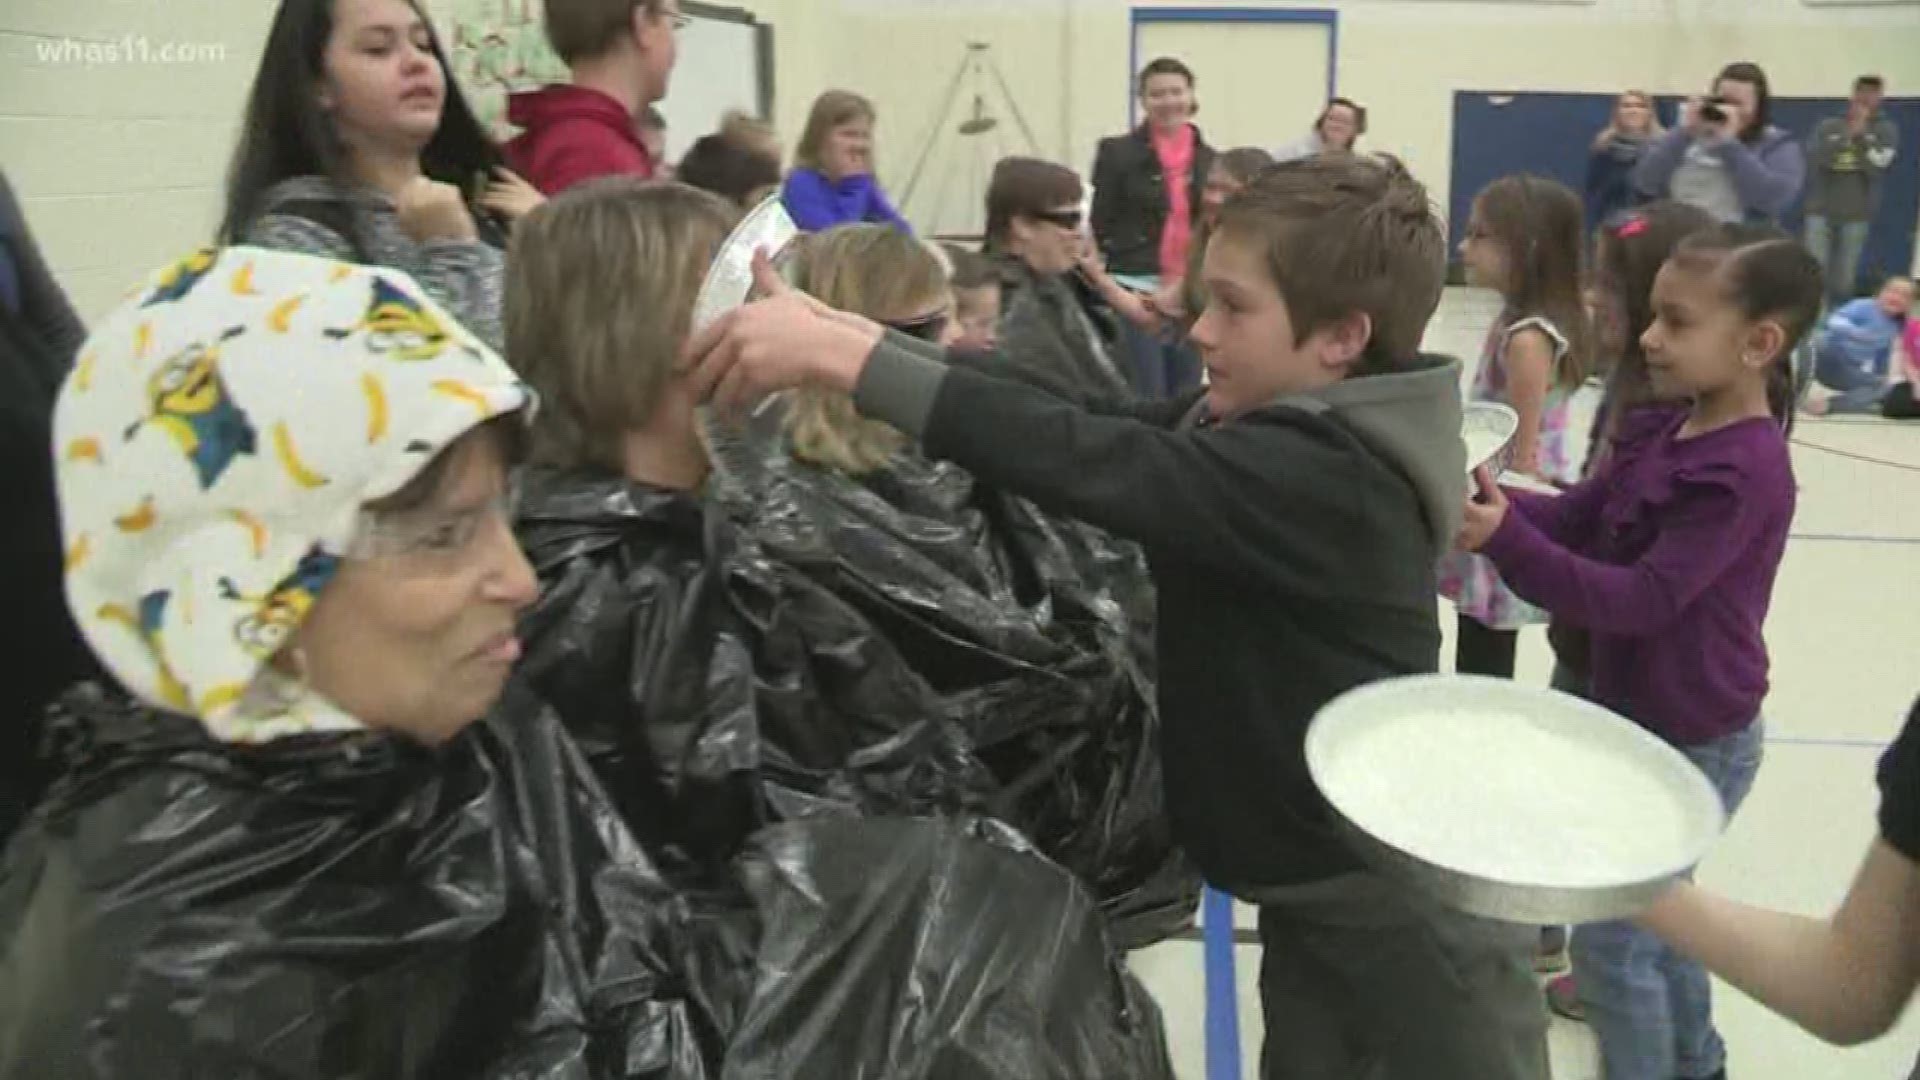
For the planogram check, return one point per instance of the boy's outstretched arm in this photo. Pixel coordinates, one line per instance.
(1247, 494)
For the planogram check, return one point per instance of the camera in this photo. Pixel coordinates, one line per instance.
(1714, 109)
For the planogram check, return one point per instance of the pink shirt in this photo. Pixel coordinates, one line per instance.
(1176, 165)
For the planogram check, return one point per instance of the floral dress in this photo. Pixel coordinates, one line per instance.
(1470, 581)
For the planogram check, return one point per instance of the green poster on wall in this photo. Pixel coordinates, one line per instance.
(496, 47)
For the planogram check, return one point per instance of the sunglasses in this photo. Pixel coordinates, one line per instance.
(926, 327)
(1066, 219)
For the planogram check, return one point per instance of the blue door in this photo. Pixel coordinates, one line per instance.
(1497, 133)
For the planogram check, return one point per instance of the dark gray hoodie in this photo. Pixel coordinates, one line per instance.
(1293, 549)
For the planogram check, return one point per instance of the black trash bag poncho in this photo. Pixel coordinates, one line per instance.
(933, 950)
(808, 648)
(1036, 631)
(332, 907)
(704, 722)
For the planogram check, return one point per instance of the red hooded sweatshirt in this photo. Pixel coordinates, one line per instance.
(569, 134)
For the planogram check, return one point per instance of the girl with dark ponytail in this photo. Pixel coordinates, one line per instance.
(1667, 557)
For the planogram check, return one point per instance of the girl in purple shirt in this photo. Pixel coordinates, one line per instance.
(1667, 556)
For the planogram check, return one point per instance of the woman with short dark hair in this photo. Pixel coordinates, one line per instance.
(1147, 188)
(1339, 127)
(1147, 183)
(736, 163)
(1050, 326)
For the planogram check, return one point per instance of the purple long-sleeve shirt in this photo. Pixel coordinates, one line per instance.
(1668, 557)
(817, 203)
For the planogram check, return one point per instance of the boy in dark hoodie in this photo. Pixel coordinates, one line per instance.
(621, 53)
(1292, 511)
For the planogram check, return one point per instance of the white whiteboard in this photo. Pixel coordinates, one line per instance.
(499, 46)
(718, 72)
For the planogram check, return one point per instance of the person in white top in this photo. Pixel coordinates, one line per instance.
(1340, 126)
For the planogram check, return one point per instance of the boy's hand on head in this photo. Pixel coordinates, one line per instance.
(1484, 515)
(784, 340)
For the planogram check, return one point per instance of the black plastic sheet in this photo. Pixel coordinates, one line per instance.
(715, 693)
(344, 907)
(932, 950)
(1035, 631)
(902, 644)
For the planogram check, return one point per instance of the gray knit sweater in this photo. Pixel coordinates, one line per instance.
(464, 276)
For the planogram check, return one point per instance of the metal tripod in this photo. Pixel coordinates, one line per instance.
(977, 69)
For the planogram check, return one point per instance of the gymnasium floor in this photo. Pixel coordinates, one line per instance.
(1844, 630)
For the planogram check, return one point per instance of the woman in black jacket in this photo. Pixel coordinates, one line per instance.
(39, 333)
(1135, 194)
(1146, 207)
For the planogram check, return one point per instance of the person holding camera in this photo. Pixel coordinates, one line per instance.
(1724, 157)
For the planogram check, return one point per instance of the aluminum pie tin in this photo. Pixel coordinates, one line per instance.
(1488, 427)
(728, 285)
(1507, 837)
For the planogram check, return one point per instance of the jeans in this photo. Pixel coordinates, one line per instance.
(1837, 244)
(1162, 365)
(1651, 1008)
(1858, 391)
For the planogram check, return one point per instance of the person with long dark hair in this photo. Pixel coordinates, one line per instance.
(39, 335)
(1523, 240)
(358, 146)
(1627, 256)
(1725, 156)
(1668, 557)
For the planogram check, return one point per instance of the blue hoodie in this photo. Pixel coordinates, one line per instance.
(1860, 334)
(818, 203)
(1728, 178)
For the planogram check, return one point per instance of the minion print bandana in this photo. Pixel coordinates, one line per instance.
(216, 442)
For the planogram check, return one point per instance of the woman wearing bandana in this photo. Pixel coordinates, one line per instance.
(281, 845)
